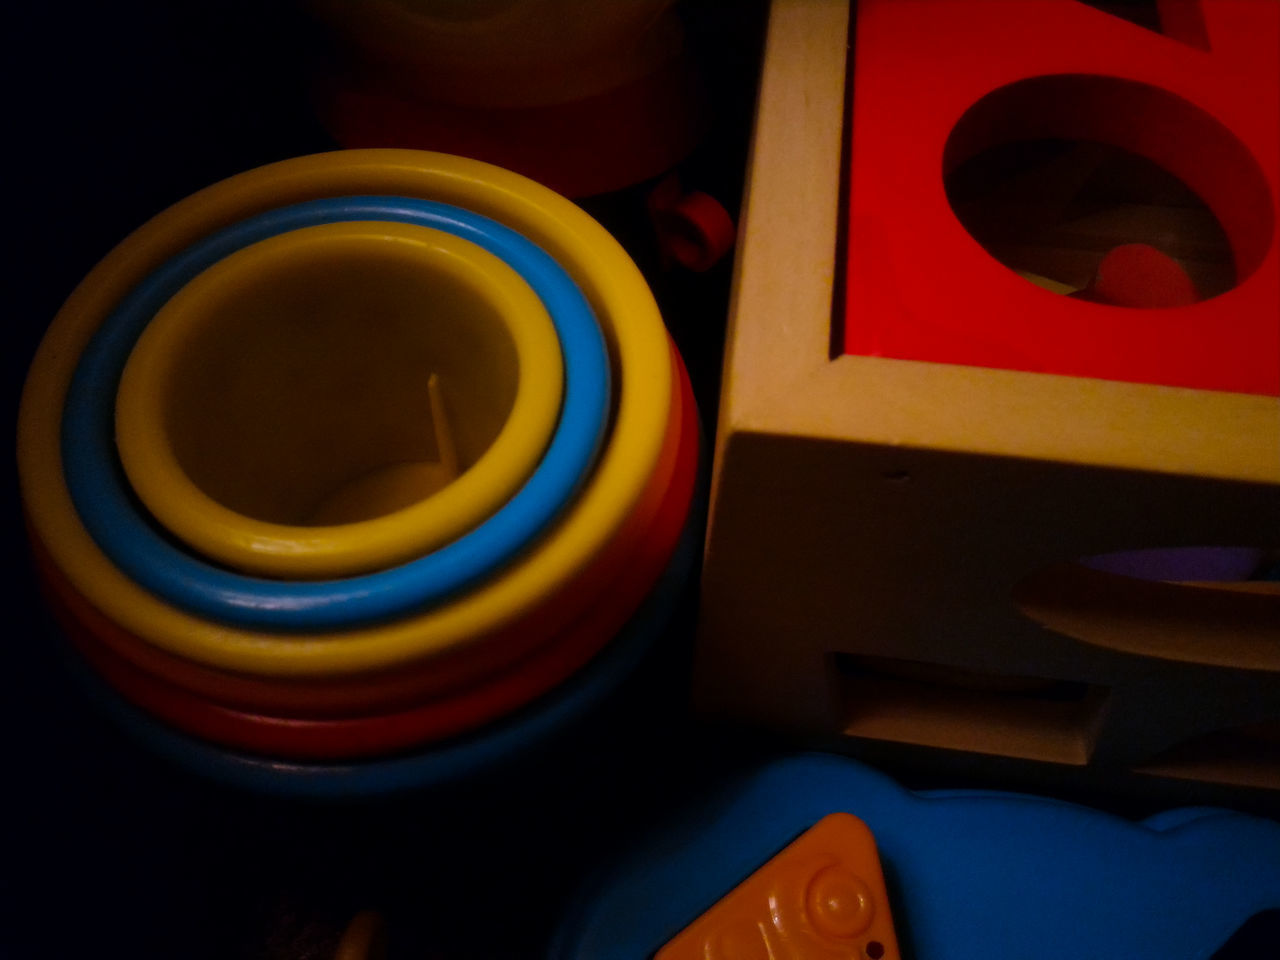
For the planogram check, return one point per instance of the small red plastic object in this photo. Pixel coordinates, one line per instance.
(694, 229)
(1200, 100)
(822, 898)
(1139, 275)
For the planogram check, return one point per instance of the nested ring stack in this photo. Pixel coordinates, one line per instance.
(359, 470)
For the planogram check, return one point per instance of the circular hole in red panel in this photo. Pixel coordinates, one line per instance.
(1110, 190)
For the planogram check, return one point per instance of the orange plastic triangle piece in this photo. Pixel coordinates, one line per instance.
(822, 898)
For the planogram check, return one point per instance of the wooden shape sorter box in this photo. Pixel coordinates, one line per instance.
(916, 445)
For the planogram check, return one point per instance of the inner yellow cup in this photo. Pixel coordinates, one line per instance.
(339, 399)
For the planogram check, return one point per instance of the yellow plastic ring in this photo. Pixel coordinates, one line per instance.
(612, 284)
(402, 437)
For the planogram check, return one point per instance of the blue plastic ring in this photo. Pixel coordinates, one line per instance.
(124, 532)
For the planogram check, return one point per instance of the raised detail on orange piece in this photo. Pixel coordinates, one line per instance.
(822, 898)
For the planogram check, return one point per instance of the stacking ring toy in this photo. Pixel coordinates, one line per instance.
(275, 415)
(496, 696)
(607, 580)
(449, 763)
(110, 515)
(606, 276)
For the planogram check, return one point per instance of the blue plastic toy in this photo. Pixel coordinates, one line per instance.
(971, 875)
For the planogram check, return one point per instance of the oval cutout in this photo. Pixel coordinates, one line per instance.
(1225, 624)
